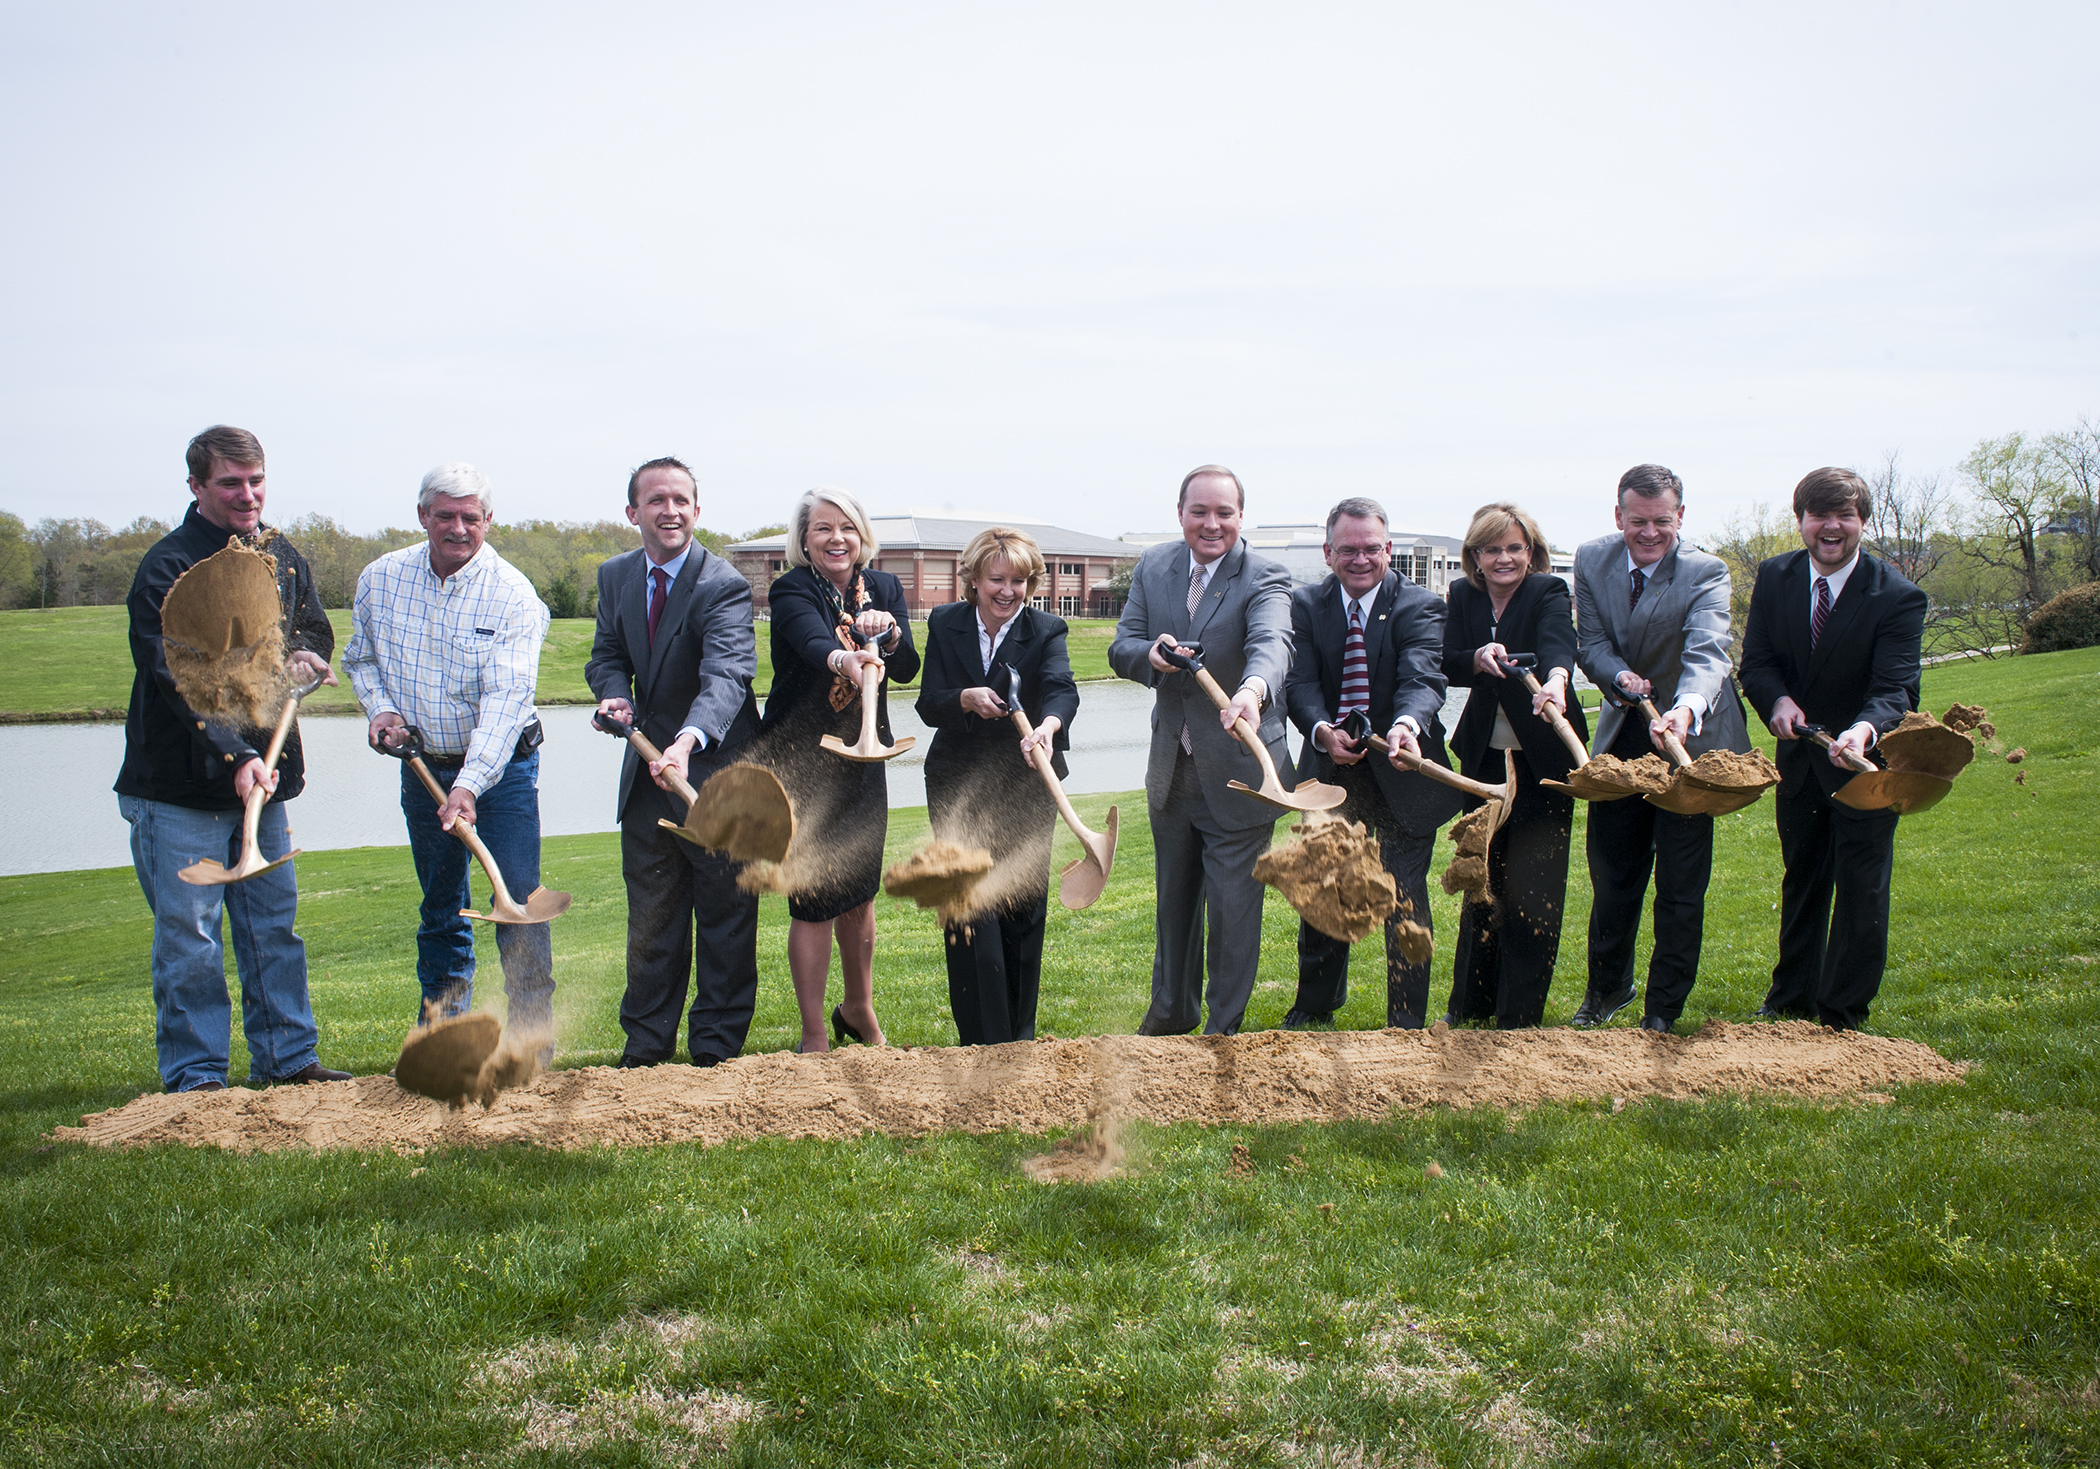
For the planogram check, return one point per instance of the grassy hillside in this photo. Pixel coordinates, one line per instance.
(75, 662)
(1712, 1283)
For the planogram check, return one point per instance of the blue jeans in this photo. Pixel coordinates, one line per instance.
(507, 818)
(193, 1015)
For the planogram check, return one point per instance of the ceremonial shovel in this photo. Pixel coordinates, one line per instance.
(869, 748)
(1311, 795)
(742, 810)
(1579, 784)
(1357, 726)
(1875, 789)
(1081, 882)
(540, 903)
(211, 873)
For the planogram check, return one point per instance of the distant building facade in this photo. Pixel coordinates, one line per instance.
(921, 551)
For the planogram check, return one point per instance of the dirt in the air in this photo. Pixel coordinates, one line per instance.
(222, 632)
(1330, 872)
(468, 1058)
(941, 876)
(1042, 1086)
(1471, 834)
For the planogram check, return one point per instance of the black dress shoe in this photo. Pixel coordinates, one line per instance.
(1599, 1009)
(705, 1059)
(1657, 1024)
(1767, 1012)
(1299, 1019)
(315, 1071)
(841, 1032)
(634, 1063)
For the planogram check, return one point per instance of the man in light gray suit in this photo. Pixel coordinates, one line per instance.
(1652, 621)
(1207, 589)
(673, 654)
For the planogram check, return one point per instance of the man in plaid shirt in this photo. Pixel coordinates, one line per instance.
(445, 637)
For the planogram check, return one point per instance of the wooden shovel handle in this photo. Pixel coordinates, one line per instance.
(1554, 717)
(1248, 734)
(1437, 772)
(870, 681)
(1040, 759)
(680, 786)
(464, 830)
(1858, 762)
(259, 794)
(1676, 751)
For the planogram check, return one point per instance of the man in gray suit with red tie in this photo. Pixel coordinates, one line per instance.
(1368, 640)
(674, 655)
(1207, 588)
(1651, 617)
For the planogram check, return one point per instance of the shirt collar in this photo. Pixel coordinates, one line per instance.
(1632, 565)
(1365, 600)
(1837, 579)
(467, 573)
(675, 565)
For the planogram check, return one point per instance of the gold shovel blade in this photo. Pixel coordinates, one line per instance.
(1080, 883)
(1900, 791)
(209, 873)
(1931, 750)
(1311, 795)
(870, 755)
(541, 906)
(742, 810)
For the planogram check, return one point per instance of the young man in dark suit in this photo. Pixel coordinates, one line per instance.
(1367, 639)
(674, 654)
(1832, 641)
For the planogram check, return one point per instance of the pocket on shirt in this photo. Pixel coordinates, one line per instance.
(470, 653)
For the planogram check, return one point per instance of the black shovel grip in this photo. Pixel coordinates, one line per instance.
(613, 725)
(410, 748)
(1188, 657)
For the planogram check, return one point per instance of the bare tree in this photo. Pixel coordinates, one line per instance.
(2075, 458)
(1745, 542)
(1911, 528)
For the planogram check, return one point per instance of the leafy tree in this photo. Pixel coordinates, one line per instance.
(1745, 543)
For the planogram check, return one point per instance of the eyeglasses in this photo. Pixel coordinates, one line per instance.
(1359, 553)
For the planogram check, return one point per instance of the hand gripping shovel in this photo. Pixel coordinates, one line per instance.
(540, 904)
(1358, 727)
(1080, 882)
(742, 810)
(1875, 789)
(1580, 784)
(1311, 795)
(210, 873)
(869, 748)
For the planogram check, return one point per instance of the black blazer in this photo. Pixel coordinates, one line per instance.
(1034, 647)
(1865, 666)
(699, 670)
(1404, 643)
(1540, 619)
(804, 636)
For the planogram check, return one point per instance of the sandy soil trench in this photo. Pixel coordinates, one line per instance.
(1032, 1087)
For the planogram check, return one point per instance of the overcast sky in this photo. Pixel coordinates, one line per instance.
(1039, 260)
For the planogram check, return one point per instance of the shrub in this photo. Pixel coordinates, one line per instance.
(2068, 620)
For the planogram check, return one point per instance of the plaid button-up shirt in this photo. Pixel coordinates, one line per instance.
(457, 658)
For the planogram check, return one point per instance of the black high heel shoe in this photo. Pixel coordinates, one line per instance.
(841, 1032)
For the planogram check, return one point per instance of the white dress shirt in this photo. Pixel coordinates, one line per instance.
(456, 657)
(1837, 580)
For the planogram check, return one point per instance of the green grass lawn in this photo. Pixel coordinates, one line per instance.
(76, 662)
(1678, 1283)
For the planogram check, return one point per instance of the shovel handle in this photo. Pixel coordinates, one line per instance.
(1554, 717)
(464, 830)
(1438, 773)
(1822, 737)
(1040, 759)
(1675, 750)
(1248, 734)
(870, 681)
(621, 729)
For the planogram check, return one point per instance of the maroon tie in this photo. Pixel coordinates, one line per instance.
(662, 585)
(1640, 579)
(1815, 623)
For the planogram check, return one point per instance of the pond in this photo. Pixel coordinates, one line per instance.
(66, 816)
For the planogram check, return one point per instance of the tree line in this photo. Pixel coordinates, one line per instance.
(2013, 525)
(83, 563)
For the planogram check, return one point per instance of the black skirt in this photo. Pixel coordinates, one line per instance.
(842, 809)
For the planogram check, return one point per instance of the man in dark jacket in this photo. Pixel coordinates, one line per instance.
(1367, 639)
(182, 789)
(1832, 641)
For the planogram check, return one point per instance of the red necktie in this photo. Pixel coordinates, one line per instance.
(1356, 667)
(662, 585)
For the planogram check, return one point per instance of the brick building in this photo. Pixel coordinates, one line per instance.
(921, 551)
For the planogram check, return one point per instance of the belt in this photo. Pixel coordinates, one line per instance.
(530, 738)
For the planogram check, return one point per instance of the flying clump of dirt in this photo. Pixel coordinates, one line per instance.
(1468, 872)
(1649, 775)
(942, 876)
(1727, 768)
(467, 1058)
(222, 633)
(1329, 871)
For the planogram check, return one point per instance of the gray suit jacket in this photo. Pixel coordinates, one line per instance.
(1244, 625)
(697, 673)
(1677, 638)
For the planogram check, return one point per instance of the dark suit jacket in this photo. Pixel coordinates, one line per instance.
(698, 673)
(1404, 643)
(1865, 666)
(804, 636)
(1539, 620)
(1034, 647)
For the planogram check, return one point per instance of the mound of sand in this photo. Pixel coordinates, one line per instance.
(1468, 872)
(1329, 871)
(1035, 1086)
(940, 875)
(1727, 770)
(1648, 775)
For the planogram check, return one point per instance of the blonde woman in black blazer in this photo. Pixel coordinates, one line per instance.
(980, 789)
(1511, 603)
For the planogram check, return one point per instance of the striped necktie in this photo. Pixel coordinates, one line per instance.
(1640, 580)
(1356, 667)
(1822, 613)
(1188, 746)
